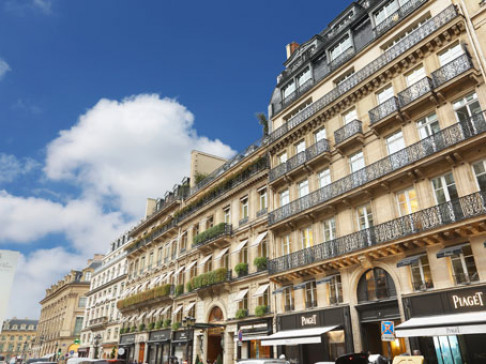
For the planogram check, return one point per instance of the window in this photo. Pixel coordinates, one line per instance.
(226, 261)
(286, 245)
(466, 107)
(407, 201)
(135, 268)
(375, 284)
(395, 142)
(428, 126)
(262, 197)
(209, 222)
(420, 273)
(320, 134)
(299, 147)
(310, 296)
(244, 254)
(195, 230)
(303, 188)
(307, 239)
(227, 215)
(282, 158)
(263, 249)
(335, 289)
(356, 161)
(87, 276)
(288, 296)
(415, 75)
(142, 265)
(264, 299)
(284, 198)
(178, 314)
(340, 48)
(298, 109)
(244, 207)
(344, 77)
(82, 302)
(329, 227)
(304, 76)
(208, 267)
(450, 54)
(384, 95)
(183, 243)
(78, 325)
(159, 256)
(288, 89)
(365, 217)
(444, 188)
(388, 9)
(150, 260)
(350, 115)
(243, 304)
(464, 267)
(324, 177)
(480, 173)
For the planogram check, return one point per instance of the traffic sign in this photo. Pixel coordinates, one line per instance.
(240, 335)
(387, 331)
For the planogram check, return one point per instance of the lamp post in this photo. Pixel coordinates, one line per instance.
(188, 323)
(96, 342)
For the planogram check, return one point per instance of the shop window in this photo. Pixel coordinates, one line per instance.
(375, 284)
(334, 289)
(464, 267)
(467, 107)
(329, 226)
(310, 294)
(307, 238)
(480, 173)
(420, 273)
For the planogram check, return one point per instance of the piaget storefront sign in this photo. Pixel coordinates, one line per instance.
(308, 320)
(467, 301)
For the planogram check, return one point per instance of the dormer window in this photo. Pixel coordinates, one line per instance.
(388, 10)
(343, 21)
(342, 46)
(304, 76)
(288, 89)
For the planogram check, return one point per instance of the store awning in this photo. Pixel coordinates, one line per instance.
(125, 319)
(169, 274)
(240, 246)
(297, 337)
(205, 259)
(259, 239)
(444, 325)
(261, 290)
(151, 313)
(241, 294)
(252, 336)
(133, 318)
(142, 315)
(158, 312)
(178, 271)
(192, 264)
(177, 310)
(325, 280)
(189, 307)
(165, 310)
(451, 251)
(409, 260)
(221, 253)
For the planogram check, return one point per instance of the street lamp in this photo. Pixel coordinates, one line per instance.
(96, 341)
(188, 323)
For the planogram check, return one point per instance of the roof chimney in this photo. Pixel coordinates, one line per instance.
(291, 47)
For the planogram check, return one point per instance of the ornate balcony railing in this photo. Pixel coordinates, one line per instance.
(445, 138)
(398, 15)
(440, 215)
(244, 220)
(386, 108)
(322, 146)
(100, 321)
(342, 58)
(451, 70)
(378, 64)
(212, 234)
(347, 131)
(262, 212)
(415, 91)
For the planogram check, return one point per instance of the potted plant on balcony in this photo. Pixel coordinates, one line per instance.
(260, 263)
(261, 310)
(189, 286)
(241, 313)
(176, 326)
(179, 289)
(122, 331)
(133, 329)
(151, 326)
(141, 327)
(167, 323)
(158, 324)
(241, 269)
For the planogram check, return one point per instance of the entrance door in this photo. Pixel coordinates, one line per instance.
(141, 353)
(214, 348)
(372, 341)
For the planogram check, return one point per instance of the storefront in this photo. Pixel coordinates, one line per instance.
(83, 352)
(127, 348)
(249, 338)
(313, 336)
(447, 326)
(158, 347)
(182, 343)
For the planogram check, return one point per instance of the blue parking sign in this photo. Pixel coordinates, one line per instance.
(387, 330)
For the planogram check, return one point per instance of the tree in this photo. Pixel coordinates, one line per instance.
(262, 119)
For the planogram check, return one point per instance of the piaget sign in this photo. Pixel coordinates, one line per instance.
(306, 321)
(464, 301)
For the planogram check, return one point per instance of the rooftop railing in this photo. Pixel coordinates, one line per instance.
(434, 217)
(443, 139)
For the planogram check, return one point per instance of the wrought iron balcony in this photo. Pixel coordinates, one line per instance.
(310, 304)
(391, 54)
(348, 131)
(98, 322)
(397, 16)
(435, 217)
(289, 308)
(383, 110)
(214, 233)
(415, 91)
(451, 70)
(297, 93)
(244, 220)
(319, 148)
(262, 212)
(342, 58)
(445, 138)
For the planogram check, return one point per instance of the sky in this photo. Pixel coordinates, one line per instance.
(101, 103)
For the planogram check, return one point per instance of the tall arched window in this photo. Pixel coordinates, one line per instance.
(375, 284)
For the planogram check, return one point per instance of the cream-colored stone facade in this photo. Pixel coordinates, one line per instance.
(62, 314)
(16, 338)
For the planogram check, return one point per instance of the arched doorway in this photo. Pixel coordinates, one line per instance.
(215, 335)
(377, 302)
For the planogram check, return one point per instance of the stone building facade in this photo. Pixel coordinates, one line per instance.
(17, 337)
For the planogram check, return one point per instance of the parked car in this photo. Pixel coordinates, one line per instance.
(355, 358)
(263, 361)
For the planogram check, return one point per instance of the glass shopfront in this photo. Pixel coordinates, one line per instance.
(127, 342)
(251, 333)
(182, 345)
(158, 347)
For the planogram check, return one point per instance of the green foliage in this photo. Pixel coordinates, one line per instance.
(219, 360)
(261, 310)
(161, 291)
(133, 329)
(199, 177)
(241, 313)
(158, 324)
(241, 269)
(261, 263)
(141, 327)
(209, 278)
(209, 233)
(179, 289)
(122, 331)
(189, 286)
(151, 325)
(113, 352)
(167, 323)
(175, 326)
(263, 121)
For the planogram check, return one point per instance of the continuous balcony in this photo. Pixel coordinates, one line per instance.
(451, 70)
(215, 235)
(348, 134)
(436, 217)
(397, 16)
(319, 149)
(379, 64)
(98, 323)
(444, 139)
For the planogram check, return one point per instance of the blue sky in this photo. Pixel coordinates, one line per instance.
(102, 101)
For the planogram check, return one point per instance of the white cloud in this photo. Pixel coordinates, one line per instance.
(129, 150)
(4, 68)
(11, 167)
(37, 272)
(44, 5)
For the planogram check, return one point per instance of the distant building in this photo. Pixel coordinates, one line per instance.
(62, 313)
(17, 338)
